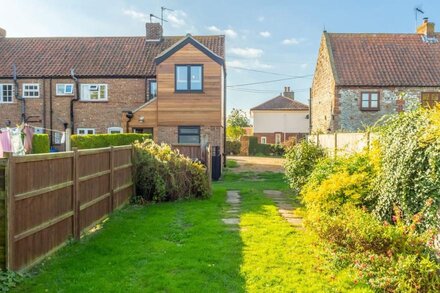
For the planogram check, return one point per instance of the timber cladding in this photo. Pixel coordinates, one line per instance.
(54, 197)
(205, 108)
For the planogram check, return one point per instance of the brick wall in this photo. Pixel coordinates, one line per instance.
(323, 92)
(270, 137)
(123, 95)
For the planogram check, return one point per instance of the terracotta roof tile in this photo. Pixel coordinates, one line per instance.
(281, 103)
(385, 60)
(90, 56)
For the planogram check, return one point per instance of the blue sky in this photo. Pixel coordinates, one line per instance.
(280, 36)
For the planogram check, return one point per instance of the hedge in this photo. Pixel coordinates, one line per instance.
(40, 144)
(233, 147)
(105, 140)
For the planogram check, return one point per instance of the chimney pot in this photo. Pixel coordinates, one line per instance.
(426, 28)
(154, 32)
(2, 33)
(288, 93)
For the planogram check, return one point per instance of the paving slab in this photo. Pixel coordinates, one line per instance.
(286, 210)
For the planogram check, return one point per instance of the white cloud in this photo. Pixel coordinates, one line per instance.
(177, 18)
(291, 41)
(228, 32)
(265, 34)
(251, 64)
(260, 18)
(136, 15)
(246, 52)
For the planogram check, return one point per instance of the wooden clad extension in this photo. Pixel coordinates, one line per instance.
(189, 108)
(53, 197)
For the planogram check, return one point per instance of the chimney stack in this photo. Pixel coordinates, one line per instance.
(154, 32)
(288, 93)
(426, 28)
(2, 33)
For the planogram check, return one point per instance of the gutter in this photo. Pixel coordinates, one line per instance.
(75, 98)
(17, 96)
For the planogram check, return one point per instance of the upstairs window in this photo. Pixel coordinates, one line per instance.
(429, 100)
(370, 101)
(94, 92)
(6, 93)
(113, 130)
(31, 90)
(152, 89)
(189, 78)
(64, 89)
(189, 134)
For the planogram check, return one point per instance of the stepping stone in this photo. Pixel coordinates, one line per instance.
(231, 221)
(272, 192)
(295, 221)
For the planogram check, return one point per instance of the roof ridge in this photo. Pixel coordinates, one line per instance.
(108, 37)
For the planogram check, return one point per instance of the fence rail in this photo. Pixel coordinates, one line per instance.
(343, 143)
(49, 198)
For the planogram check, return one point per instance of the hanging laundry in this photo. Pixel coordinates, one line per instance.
(16, 142)
(28, 134)
(5, 140)
(63, 138)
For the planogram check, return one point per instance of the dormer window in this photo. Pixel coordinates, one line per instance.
(189, 78)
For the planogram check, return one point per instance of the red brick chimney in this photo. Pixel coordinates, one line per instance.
(426, 28)
(288, 93)
(154, 32)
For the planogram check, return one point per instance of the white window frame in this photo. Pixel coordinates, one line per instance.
(63, 86)
(263, 140)
(85, 96)
(85, 130)
(1, 93)
(276, 136)
(110, 130)
(27, 91)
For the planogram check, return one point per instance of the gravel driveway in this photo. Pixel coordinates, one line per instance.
(257, 164)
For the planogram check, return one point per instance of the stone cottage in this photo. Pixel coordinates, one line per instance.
(359, 78)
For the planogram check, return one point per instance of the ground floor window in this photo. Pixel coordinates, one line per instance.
(263, 140)
(85, 131)
(189, 134)
(277, 138)
(6, 93)
(112, 130)
(148, 130)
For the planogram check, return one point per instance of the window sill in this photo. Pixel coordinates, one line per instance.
(186, 144)
(189, 92)
(370, 110)
(93, 101)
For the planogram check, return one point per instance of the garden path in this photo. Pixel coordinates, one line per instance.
(285, 208)
(233, 199)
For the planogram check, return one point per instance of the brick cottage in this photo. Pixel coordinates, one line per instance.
(92, 84)
(361, 77)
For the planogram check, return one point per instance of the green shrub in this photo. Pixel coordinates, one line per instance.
(253, 145)
(9, 280)
(165, 175)
(233, 147)
(40, 144)
(409, 146)
(93, 141)
(300, 161)
(276, 149)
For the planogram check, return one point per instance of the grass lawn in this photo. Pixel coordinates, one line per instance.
(184, 246)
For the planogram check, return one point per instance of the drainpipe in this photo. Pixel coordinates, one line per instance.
(17, 96)
(224, 118)
(44, 101)
(75, 98)
(50, 112)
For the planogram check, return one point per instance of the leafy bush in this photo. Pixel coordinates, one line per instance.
(40, 144)
(276, 149)
(9, 280)
(300, 161)
(253, 145)
(233, 147)
(409, 146)
(105, 140)
(163, 174)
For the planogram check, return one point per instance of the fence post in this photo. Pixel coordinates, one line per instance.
(112, 176)
(133, 171)
(75, 197)
(336, 144)
(10, 212)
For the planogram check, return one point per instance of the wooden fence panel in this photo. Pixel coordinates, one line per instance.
(52, 197)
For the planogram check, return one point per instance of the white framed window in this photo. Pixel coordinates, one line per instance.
(277, 138)
(6, 93)
(85, 131)
(64, 89)
(94, 92)
(112, 130)
(263, 140)
(31, 90)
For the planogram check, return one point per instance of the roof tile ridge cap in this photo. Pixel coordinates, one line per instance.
(326, 37)
(265, 102)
